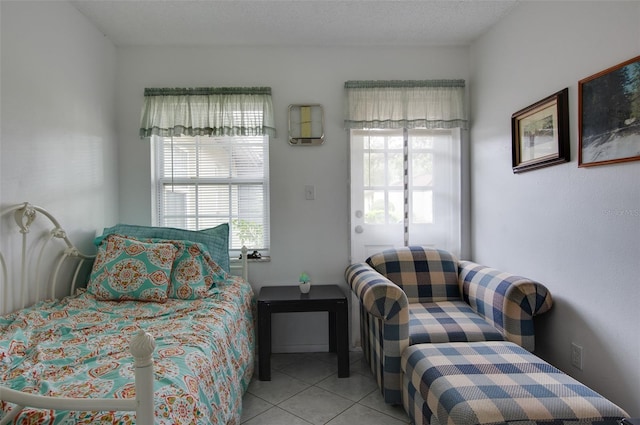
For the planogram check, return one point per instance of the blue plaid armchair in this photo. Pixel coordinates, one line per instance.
(415, 295)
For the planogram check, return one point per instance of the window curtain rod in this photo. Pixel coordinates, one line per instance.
(363, 84)
(204, 91)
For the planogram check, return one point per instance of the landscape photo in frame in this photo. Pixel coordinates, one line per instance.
(609, 115)
(540, 133)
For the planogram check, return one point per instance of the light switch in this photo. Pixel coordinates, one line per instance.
(310, 192)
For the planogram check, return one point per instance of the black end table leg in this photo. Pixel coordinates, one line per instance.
(342, 334)
(333, 336)
(264, 341)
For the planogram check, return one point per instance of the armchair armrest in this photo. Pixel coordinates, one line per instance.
(507, 301)
(379, 296)
(384, 326)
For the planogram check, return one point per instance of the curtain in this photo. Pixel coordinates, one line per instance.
(208, 111)
(431, 104)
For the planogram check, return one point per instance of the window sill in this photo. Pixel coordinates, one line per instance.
(263, 259)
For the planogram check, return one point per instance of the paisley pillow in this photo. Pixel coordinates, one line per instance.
(194, 272)
(127, 269)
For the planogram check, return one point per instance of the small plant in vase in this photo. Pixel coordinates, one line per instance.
(304, 283)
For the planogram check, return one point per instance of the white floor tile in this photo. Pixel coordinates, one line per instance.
(363, 415)
(305, 390)
(280, 360)
(355, 387)
(280, 388)
(316, 405)
(361, 367)
(276, 416)
(252, 406)
(309, 370)
(375, 401)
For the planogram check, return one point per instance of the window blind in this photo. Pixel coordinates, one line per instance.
(205, 181)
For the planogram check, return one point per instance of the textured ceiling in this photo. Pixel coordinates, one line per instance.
(293, 22)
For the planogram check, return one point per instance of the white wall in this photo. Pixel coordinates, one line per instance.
(306, 235)
(58, 118)
(576, 230)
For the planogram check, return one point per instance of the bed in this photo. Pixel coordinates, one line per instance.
(176, 348)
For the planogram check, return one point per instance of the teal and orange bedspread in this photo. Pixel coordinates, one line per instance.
(79, 347)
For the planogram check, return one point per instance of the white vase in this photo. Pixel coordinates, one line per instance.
(305, 287)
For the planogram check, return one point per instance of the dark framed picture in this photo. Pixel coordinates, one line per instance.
(540, 133)
(609, 115)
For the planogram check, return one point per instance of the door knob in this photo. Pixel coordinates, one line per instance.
(359, 229)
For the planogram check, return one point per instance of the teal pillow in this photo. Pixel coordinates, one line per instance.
(215, 239)
(194, 272)
(126, 269)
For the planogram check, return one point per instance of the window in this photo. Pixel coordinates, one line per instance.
(203, 181)
(210, 159)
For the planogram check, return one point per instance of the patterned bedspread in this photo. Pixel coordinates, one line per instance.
(79, 347)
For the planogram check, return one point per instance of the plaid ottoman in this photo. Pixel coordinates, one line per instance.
(494, 382)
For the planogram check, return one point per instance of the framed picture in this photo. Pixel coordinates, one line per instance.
(609, 115)
(540, 133)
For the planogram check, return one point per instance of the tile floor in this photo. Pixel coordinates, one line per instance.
(305, 389)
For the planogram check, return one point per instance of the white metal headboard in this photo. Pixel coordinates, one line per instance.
(34, 259)
(35, 249)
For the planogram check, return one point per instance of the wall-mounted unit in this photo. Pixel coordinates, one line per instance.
(306, 125)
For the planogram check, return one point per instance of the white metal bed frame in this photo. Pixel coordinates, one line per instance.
(142, 344)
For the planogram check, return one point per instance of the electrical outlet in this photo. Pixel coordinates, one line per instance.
(576, 355)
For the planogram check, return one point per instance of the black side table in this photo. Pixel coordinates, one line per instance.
(286, 299)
